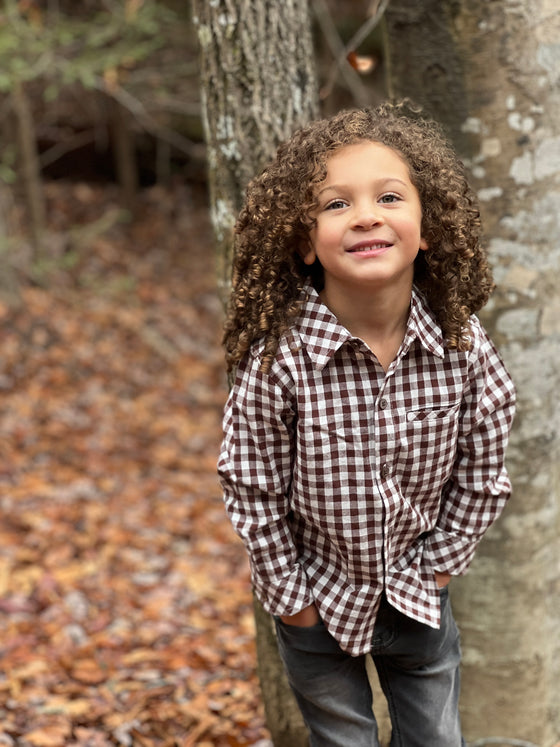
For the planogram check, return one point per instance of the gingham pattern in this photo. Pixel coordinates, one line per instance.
(343, 480)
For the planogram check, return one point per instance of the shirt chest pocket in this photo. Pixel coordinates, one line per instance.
(427, 446)
(440, 416)
(427, 427)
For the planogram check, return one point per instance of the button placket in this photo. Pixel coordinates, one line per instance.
(382, 405)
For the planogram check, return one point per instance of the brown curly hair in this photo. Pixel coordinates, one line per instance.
(269, 274)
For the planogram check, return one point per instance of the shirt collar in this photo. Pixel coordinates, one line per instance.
(322, 334)
(422, 325)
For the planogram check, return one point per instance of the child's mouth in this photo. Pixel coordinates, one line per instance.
(374, 247)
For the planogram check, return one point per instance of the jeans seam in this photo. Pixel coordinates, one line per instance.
(384, 681)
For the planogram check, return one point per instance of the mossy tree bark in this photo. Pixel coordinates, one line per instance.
(490, 72)
(258, 85)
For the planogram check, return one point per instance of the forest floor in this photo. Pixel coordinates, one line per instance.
(125, 604)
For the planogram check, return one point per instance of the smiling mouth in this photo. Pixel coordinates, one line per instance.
(376, 246)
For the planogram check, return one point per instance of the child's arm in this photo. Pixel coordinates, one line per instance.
(479, 486)
(255, 469)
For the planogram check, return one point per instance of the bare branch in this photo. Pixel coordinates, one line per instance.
(60, 149)
(340, 51)
(138, 110)
(377, 9)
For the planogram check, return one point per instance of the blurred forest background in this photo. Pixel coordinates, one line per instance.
(125, 607)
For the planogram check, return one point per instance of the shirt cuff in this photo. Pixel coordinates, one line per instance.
(287, 595)
(449, 553)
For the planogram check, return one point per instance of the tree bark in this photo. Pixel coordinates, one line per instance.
(258, 85)
(490, 71)
(122, 137)
(31, 170)
(9, 285)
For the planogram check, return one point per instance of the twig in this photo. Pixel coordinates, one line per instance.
(60, 149)
(80, 237)
(149, 336)
(338, 51)
(378, 8)
(137, 109)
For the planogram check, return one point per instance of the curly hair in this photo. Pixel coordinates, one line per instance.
(269, 275)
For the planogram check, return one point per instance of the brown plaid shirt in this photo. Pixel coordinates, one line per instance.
(344, 481)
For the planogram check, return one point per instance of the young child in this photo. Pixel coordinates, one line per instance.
(365, 433)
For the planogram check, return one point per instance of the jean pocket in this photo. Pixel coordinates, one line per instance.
(312, 638)
(312, 657)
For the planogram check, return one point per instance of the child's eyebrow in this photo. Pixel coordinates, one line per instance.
(382, 180)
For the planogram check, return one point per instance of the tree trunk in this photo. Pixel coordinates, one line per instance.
(31, 170)
(122, 137)
(258, 86)
(490, 71)
(9, 285)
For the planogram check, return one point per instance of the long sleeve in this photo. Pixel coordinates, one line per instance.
(345, 481)
(255, 469)
(479, 486)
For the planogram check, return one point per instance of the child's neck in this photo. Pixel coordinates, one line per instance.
(379, 319)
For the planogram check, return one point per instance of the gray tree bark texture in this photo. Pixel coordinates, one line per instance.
(490, 71)
(258, 85)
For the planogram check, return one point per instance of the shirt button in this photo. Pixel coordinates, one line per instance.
(383, 403)
(385, 470)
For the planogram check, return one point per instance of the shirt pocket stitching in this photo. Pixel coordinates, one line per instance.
(432, 415)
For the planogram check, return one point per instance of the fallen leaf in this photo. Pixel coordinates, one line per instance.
(48, 736)
(125, 594)
(362, 63)
(88, 672)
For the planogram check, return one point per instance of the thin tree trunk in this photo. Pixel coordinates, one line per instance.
(124, 153)
(31, 170)
(9, 285)
(490, 71)
(258, 85)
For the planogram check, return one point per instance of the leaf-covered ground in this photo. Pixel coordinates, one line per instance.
(125, 607)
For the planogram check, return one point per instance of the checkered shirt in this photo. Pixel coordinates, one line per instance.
(344, 481)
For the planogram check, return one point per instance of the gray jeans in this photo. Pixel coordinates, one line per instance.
(418, 669)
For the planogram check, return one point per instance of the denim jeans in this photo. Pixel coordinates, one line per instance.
(418, 670)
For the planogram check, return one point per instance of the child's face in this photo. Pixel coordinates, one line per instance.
(368, 221)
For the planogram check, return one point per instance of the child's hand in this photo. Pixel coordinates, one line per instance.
(442, 579)
(303, 619)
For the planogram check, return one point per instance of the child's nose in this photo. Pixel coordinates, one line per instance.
(367, 215)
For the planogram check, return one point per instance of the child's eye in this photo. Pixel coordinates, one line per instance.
(389, 198)
(335, 205)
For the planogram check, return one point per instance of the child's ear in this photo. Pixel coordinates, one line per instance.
(307, 253)
(423, 244)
